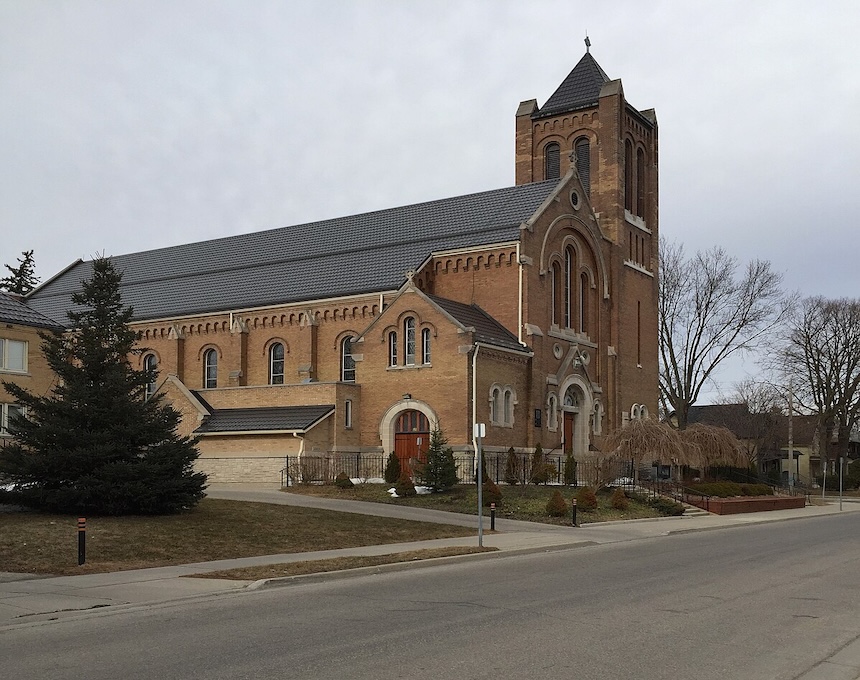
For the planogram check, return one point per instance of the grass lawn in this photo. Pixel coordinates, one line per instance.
(216, 529)
(526, 503)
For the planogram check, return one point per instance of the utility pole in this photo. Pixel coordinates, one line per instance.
(790, 435)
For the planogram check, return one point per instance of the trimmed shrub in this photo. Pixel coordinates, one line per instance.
(729, 489)
(342, 481)
(491, 493)
(666, 506)
(392, 469)
(512, 468)
(586, 499)
(556, 505)
(404, 486)
(619, 499)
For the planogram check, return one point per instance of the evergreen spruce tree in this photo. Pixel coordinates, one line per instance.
(570, 470)
(95, 444)
(22, 279)
(439, 473)
(539, 473)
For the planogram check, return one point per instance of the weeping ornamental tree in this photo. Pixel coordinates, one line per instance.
(95, 444)
(699, 446)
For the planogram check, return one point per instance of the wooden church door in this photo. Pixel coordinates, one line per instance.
(411, 437)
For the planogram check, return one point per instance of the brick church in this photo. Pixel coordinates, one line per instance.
(532, 308)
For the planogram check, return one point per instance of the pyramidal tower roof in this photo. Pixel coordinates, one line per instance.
(580, 88)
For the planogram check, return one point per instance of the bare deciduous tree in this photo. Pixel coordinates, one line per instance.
(710, 310)
(757, 424)
(822, 355)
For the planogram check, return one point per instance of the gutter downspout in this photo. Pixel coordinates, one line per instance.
(520, 298)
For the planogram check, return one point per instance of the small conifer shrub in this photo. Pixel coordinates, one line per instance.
(342, 481)
(619, 499)
(491, 493)
(556, 505)
(392, 469)
(586, 499)
(512, 468)
(404, 486)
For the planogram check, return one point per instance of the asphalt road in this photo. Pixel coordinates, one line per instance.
(755, 602)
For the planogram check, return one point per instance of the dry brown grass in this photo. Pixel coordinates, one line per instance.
(217, 529)
(338, 563)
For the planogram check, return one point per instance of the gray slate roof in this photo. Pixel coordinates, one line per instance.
(343, 256)
(13, 311)
(279, 418)
(580, 88)
(487, 329)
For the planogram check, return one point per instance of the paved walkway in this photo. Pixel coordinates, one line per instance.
(25, 600)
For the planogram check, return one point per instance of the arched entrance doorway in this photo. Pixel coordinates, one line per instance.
(411, 437)
(570, 411)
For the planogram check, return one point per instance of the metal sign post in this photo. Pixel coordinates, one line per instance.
(480, 431)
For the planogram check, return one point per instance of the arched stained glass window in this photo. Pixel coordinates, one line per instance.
(210, 368)
(276, 364)
(347, 363)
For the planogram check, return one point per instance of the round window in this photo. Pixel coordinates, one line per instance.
(574, 199)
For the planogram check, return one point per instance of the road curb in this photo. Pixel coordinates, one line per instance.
(298, 579)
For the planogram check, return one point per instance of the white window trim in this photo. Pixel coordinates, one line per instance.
(4, 355)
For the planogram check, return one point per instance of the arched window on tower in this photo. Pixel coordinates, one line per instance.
(552, 161)
(555, 294)
(583, 302)
(347, 363)
(628, 176)
(569, 285)
(582, 150)
(640, 183)
(210, 368)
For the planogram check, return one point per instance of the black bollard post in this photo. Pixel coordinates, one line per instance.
(573, 510)
(492, 516)
(82, 540)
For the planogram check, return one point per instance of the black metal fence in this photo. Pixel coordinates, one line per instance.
(501, 468)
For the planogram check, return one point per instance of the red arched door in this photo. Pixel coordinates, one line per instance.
(411, 437)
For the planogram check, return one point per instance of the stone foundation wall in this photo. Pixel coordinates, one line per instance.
(256, 470)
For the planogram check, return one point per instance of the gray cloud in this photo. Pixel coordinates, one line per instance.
(129, 126)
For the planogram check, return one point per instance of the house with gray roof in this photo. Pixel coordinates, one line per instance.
(21, 359)
(530, 309)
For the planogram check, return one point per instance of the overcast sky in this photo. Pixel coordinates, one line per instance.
(126, 126)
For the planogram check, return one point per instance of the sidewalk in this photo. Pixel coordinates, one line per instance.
(25, 600)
